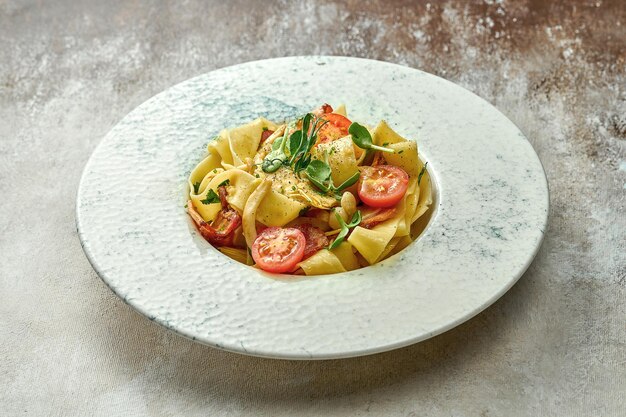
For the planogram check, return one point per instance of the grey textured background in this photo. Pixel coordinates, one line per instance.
(553, 345)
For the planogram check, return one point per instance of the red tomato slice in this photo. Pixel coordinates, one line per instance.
(315, 239)
(337, 127)
(382, 185)
(278, 249)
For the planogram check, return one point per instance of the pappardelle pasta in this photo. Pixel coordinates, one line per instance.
(316, 195)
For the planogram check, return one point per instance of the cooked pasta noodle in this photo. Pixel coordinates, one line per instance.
(249, 212)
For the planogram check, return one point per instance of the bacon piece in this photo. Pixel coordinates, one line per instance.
(260, 227)
(221, 231)
(322, 110)
(313, 212)
(377, 216)
(379, 159)
(266, 134)
(224, 226)
(221, 191)
(314, 237)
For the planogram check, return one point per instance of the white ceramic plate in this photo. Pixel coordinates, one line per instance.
(488, 222)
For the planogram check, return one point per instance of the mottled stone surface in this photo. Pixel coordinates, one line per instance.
(553, 345)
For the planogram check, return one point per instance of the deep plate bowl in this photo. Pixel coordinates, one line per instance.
(490, 215)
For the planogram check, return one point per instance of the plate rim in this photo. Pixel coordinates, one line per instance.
(298, 355)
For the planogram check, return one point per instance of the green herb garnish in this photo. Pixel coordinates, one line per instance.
(295, 143)
(196, 187)
(319, 174)
(294, 149)
(345, 228)
(419, 176)
(211, 198)
(224, 183)
(301, 142)
(362, 138)
(277, 157)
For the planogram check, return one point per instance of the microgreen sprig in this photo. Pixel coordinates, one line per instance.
(301, 141)
(319, 174)
(362, 138)
(277, 157)
(298, 145)
(345, 228)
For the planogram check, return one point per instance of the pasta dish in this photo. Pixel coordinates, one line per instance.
(319, 194)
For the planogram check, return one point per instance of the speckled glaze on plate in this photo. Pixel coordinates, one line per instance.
(490, 215)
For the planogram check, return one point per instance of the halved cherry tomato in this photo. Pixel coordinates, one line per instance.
(278, 249)
(337, 127)
(314, 237)
(382, 185)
